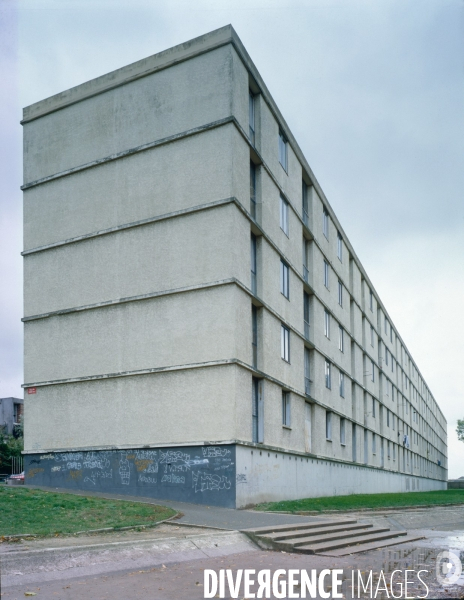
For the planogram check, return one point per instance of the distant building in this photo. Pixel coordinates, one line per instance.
(11, 410)
(197, 324)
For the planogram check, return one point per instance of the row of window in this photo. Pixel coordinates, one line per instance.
(284, 224)
(325, 231)
(328, 378)
(391, 446)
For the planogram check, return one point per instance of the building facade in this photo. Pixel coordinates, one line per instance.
(197, 324)
(11, 410)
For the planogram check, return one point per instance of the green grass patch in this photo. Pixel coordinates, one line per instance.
(24, 510)
(360, 501)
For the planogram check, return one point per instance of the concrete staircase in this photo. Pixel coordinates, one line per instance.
(335, 538)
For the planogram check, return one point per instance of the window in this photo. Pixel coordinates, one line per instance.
(286, 409)
(393, 422)
(254, 337)
(327, 324)
(342, 431)
(372, 336)
(374, 443)
(391, 334)
(339, 246)
(341, 338)
(17, 412)
(253, 189)
(326, 274)
(307, 372)
(388, 418)
(394, 451)
(373, 407)
(328, 425)
(284, 215)
(386, 356)
(251, 118)
(328, 375)
(342, 384)
(386, 325)
(284, 279)
(306, 314)
(253, 263)
(407, 408)
(305, 260)
(371, 300)
(373, 370)
(285, 343)
(325, 223)
(388, 449)
(340, 292)
(283, 159)
(254, 410)
(305, 204)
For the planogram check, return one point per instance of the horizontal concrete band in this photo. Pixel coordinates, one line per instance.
(118, 155)
(210, 285)
(219, 363)
(176, 214)
(162, 60)
(187, 211)
(141, 223)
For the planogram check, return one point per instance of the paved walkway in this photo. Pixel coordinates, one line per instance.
(167, 562)
(205, 516)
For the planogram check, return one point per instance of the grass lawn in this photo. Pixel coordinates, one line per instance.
(41, 513)
(359, 501)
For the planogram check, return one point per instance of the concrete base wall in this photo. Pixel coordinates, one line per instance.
(266, 476)
(229, 475)
(198, 474)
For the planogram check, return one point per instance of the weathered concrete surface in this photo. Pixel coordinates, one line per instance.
(133, 565)
(39, 560)
(169, 134)
(180, 576)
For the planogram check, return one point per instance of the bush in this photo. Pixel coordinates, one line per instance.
(9, 448)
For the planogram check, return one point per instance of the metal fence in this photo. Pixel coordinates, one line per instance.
(17, 465)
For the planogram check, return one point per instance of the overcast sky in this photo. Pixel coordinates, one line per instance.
(373, 91)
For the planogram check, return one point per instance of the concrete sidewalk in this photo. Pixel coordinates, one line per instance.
(202, 515)
(166, 562)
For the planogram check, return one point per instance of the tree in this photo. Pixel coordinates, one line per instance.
(460, 430)
(10, 447)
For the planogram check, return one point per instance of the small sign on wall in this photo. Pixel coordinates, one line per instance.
(32, 390)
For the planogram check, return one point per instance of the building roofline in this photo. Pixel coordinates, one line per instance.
(136, 70)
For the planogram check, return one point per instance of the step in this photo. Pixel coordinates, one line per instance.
(372, 545)
(276, 537)
(294, 526)
(362, 539)
(332, 537)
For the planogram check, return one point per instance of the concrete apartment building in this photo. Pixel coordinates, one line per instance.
(197, 324)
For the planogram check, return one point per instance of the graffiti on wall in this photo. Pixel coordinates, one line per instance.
(193, 471)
